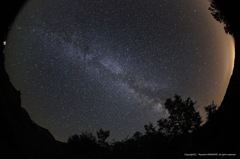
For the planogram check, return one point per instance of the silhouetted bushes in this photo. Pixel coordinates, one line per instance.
(170, 138)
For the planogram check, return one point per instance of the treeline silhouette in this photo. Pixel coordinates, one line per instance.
(171, 136)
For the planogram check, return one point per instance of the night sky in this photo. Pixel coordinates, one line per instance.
(82, 65)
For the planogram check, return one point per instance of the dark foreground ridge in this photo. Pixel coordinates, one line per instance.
(22, 138)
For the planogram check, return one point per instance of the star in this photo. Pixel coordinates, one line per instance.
(85, 65)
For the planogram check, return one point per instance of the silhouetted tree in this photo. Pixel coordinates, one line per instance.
(102, 136)
(225, 12)
(219, 15)
(164, 126)
(86, 138)
(183, 118)
(150, 129)
(211, 109)
(137, 135)
(83, 144)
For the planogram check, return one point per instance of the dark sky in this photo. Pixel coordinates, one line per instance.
(82, 65)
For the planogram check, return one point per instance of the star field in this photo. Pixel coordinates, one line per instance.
(85, 65)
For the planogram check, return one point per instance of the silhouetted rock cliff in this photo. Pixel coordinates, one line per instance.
(21, 137)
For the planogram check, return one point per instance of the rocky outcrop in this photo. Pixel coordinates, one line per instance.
(20, 136)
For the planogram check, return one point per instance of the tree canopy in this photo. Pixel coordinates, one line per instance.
(183, 117)
(225, 12)
(211, 109)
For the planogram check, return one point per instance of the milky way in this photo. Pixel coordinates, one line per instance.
(85, 65)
